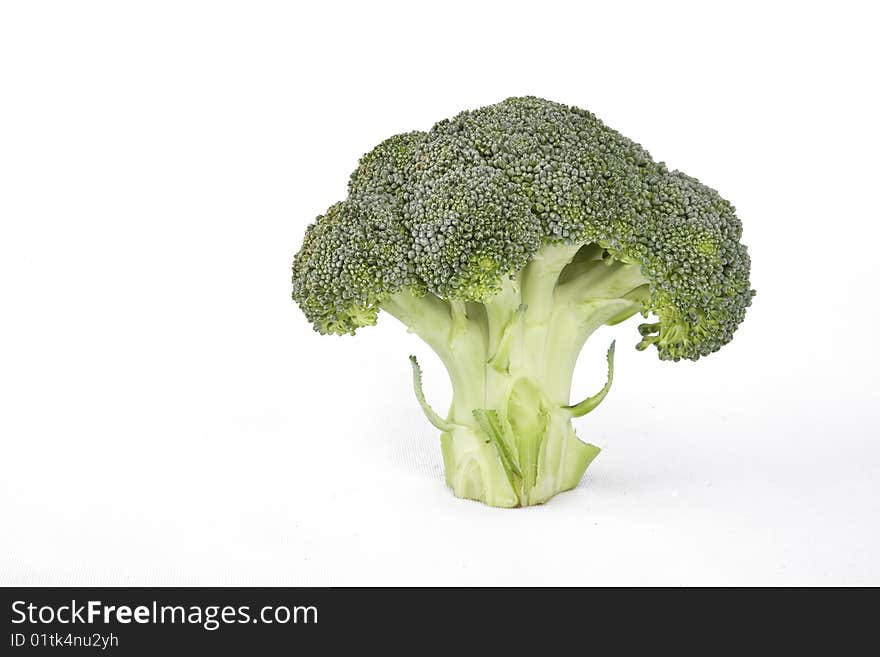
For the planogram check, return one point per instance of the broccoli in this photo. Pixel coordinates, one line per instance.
(503, 238)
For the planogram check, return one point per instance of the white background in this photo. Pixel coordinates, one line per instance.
(167, 415)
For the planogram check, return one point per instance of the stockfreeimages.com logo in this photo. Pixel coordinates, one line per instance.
(210, 617)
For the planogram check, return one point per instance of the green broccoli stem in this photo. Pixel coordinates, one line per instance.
(508, 438)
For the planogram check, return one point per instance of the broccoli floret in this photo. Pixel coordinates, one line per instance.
(504, 237)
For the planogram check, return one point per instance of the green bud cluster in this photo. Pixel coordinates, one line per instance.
(456, 210)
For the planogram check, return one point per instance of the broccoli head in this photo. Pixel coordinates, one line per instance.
(504, 237)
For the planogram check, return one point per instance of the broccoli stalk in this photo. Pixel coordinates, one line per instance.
(504, 237)
(508, 439)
